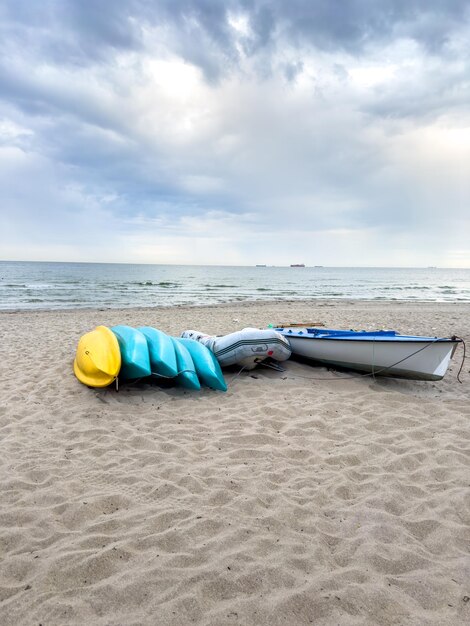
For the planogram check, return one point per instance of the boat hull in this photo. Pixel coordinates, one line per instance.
(98, 358)
(399, 356)
(161, 352)
(187, 376)
(246, 347)
(134, 353)
(206, 365)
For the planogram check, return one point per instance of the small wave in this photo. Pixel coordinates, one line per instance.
(223, 286)
(167, 283)
(263, 289)
(150, 283)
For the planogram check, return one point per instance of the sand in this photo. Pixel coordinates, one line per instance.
(294, 498)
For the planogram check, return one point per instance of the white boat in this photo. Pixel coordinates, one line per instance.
(246, 347)
(380, 353)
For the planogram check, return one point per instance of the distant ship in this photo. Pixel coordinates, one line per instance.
(297, 264)
(260, 265)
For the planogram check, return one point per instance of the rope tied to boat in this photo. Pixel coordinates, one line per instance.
(237, 374)
(374, 372)
(384, 369)
(463, 357)
(454, 338)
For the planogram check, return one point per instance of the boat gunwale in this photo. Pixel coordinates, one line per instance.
(370, 338)
(383, 340)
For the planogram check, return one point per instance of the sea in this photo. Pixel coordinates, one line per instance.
(43, 285)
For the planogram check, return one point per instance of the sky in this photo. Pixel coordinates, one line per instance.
(237, 132)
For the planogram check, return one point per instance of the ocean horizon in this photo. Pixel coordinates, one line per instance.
(37, 285)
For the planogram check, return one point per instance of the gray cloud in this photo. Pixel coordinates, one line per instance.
(80, 31)
(70, 31)
(342, 120)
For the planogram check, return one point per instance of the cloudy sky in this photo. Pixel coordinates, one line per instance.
(328, 132)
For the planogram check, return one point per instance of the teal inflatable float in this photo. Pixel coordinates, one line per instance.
(161, 352)
(207, 367)
(135, 361)
(187, 376)
(147, 351)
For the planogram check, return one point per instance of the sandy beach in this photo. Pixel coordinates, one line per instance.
(299, 497)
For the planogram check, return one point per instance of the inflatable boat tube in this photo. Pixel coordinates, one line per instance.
(207, 367)
(247, 347)
(187, 376)
(98, 358)
(134, 353)
(161, 352)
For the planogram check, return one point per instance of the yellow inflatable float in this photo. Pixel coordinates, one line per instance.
(98, 359)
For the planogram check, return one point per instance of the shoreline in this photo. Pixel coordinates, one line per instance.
(296, 496)
(248, 303)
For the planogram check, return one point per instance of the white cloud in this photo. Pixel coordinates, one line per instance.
(230, 135)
